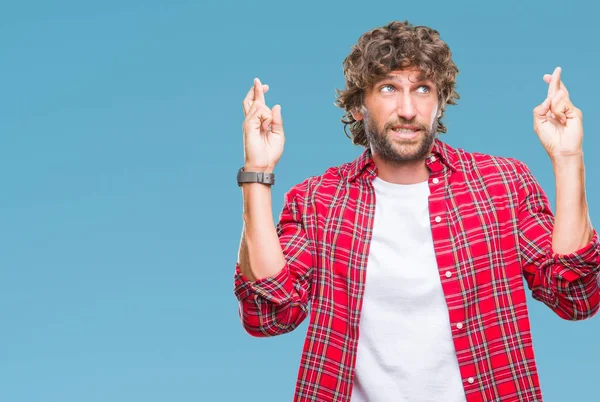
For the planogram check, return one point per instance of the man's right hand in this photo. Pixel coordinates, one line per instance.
(263, 131)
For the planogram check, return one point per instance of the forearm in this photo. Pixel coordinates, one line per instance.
(572, 226)
(260, 254)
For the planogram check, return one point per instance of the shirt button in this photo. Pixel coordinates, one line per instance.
(459, 325)
(435, 180)
(448, 274)
(471, 380)
(438, 219)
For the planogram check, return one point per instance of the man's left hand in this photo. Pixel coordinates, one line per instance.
(558, 123)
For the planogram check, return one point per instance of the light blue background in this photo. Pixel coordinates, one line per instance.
(120, 137)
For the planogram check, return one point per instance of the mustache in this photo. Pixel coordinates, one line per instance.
(405, 122)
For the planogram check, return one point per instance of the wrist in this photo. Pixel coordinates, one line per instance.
(564, 160)
(254, 168)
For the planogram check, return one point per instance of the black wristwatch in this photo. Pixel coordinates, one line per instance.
(255, 177)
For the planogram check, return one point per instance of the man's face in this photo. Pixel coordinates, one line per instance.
(400, 116)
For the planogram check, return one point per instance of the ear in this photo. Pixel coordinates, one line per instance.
(358, 116)
(439, 112)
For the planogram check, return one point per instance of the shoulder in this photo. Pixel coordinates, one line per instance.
(487, 164)
(498, 173)
(326, 183)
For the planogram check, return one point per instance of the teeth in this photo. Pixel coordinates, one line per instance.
(403, 130)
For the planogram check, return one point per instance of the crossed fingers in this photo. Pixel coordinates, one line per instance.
(557, 104)
(255, 94)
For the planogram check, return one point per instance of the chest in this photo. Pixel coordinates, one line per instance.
(468, 225)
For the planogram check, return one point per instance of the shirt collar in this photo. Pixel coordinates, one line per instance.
(440, 152)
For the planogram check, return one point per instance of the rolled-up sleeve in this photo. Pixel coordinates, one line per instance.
(278, 304)
(567, 283)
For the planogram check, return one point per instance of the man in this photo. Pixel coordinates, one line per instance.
(410, 258)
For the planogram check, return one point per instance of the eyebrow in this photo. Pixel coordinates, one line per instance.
(420, 78)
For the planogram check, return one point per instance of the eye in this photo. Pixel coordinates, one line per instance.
(386, 88)
(423, 89)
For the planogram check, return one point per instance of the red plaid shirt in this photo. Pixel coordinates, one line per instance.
(491, 223)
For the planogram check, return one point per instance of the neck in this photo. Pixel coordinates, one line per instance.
(402, 173)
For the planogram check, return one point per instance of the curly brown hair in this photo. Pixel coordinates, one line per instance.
(396, 46)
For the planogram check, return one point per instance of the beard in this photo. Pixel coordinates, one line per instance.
(399, 151)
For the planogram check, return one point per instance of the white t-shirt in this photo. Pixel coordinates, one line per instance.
(405, 347)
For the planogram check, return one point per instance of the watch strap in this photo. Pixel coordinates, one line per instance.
(255, 177)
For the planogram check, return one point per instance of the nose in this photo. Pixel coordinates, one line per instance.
(405, 107)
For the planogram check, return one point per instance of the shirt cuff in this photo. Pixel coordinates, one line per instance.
(276, 289)
(582, 262)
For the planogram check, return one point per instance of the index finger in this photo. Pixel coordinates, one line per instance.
(554, 84)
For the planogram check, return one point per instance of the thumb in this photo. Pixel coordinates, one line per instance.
(277, 122)
(542, 109)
